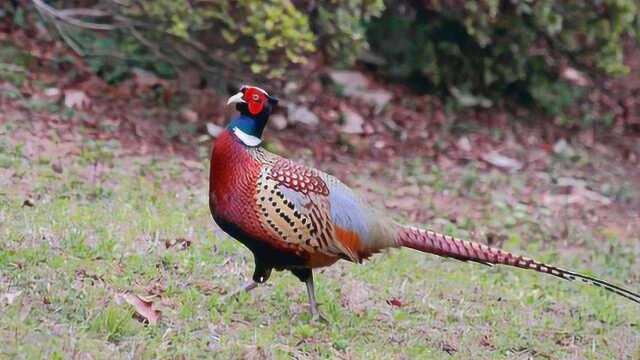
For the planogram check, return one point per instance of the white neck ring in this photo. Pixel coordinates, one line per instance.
(246, 139)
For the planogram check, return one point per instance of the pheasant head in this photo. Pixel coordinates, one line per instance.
(255, 105)
(253, 101)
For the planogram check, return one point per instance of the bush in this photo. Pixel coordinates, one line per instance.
(492, 48)
(478, 52)
(241, 40)
(340, 27)
(259, 34)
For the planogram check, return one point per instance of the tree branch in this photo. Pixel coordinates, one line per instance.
(67, 16)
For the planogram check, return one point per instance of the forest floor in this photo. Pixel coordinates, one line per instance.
(109, 251)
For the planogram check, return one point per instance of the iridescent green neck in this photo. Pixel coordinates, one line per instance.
(248, 125)
(247, 129)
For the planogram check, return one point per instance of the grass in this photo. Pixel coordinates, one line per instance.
(95, 231)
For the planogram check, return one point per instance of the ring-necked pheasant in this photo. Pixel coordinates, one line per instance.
(297, 218)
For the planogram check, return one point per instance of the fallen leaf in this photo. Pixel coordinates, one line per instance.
(577, 195)
(353, 122)
(53, 94)
(208, 287)
(155, 288)
(501, 161)
(167, 303)
(77, 99)
(574, 191)
(28, 203)
(82, 275)
(395, 302)
(52, 91)
(486, 342)
(464, 144)
(563, 148)
(448, 347)
(57, 168)
(143, 307)
(179, 243)
(574, 76)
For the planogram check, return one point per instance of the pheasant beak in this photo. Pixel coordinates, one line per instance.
(237, 98)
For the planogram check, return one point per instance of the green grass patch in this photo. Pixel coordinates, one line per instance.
(63, 260)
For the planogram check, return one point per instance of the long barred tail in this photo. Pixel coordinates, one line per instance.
(447, 246)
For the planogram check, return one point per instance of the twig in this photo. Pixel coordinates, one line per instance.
(156, 50)
(88, 12)
(125, 3)
(68, 39)
(64, 15)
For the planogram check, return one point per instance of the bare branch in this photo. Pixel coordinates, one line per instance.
(84, 12)
(153, 47)
(66, 16)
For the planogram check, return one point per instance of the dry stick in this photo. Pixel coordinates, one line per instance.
(65, 16)
(73, 44)
(156, 49)
(86, 12)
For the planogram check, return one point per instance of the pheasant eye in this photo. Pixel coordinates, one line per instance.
(255, 97)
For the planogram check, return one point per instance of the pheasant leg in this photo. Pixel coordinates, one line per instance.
(313, 304)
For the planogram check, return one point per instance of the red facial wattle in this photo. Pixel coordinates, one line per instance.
(255, 100)
(255, 108)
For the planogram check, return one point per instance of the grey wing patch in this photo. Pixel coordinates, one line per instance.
(299, 200)
(347, 211)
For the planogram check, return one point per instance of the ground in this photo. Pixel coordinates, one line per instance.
(109, 250)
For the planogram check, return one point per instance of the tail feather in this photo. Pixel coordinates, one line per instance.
(447, 246)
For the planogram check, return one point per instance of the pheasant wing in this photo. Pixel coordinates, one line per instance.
(304, 206)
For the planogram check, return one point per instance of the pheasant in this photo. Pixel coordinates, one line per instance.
(297, 218)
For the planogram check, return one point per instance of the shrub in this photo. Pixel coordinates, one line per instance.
(227, 40)
(478, 52)
(494, 48)
(340, 27)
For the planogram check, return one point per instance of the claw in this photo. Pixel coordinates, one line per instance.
(316, 316)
